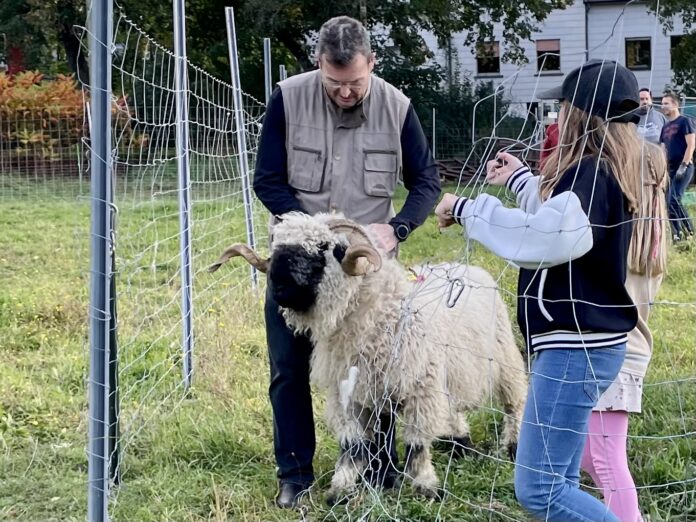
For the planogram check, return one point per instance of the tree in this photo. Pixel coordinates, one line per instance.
(23, 42)
(396, 26)
(62, 16)
(684, 54)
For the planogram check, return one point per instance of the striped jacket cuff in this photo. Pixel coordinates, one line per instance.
(519, 179)
(458, 210)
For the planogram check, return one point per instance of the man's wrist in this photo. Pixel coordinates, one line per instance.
(401, 230)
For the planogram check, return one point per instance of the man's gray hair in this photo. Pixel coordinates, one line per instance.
(341, 39)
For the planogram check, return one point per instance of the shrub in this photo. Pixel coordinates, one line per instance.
(41, 120)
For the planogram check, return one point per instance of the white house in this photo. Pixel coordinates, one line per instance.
(587, 29)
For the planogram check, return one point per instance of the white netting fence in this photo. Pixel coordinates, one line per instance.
(148, 233)
(206, 453)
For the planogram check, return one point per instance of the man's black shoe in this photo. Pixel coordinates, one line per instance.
(289, 494)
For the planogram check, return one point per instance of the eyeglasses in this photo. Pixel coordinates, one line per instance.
(353, 86)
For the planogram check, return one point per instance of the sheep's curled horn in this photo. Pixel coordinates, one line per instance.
(357, 260)
(360, 254)
(244, 251)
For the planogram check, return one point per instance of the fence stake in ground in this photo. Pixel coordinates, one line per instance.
(100, 34)
(267, 74)
(241, 132)
(184, 177)
(434, 127)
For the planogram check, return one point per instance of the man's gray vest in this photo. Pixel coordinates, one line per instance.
(343, 161)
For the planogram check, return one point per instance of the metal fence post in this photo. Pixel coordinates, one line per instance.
(283, 72)
(434, 127)
(241, 133)
(100, 35)
(267, 74)
(184, 185)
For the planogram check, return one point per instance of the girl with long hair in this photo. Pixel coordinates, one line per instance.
(570, 237)
(605, 457)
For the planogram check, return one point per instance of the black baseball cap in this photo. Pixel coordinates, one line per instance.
(600, 87)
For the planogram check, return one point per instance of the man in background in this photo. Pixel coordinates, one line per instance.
(651, 119)
(680, 142)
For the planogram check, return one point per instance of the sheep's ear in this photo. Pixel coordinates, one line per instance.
(361, 259)
(243, 251)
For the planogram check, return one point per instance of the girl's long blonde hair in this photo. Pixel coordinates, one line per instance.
(648, 251)
(616, 144)
(639, 168)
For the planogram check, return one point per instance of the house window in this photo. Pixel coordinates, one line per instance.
(638, 54)
(548, 55)
(488, 58)
(674, 42)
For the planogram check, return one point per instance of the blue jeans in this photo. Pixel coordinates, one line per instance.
(564, 387)
(678, 216)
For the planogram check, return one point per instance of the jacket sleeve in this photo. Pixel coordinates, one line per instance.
(421, 178)
(271, 174)
(540, 235)
(526, 186)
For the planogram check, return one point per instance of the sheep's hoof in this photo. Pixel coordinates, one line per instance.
(336, 498)
(512, 451)
(384, 480)
(458, 446)
(431, 493)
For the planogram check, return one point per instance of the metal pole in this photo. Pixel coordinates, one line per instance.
(114, 400)
(241, 133)
(267, 75)
(100, 35)
(283, 73)
(184, 177)
(434, 143)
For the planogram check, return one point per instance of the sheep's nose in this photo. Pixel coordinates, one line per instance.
(294, 276)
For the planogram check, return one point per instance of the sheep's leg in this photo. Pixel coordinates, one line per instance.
(349, 468)
(384, 459)
(349, 427)
(419, 468)
(512, 392)
(423, 417)
(459, 440)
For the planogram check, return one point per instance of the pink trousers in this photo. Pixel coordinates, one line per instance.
(606, 461)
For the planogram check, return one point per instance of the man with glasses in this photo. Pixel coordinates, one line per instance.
(336, 139)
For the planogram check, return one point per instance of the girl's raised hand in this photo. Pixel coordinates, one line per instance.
(499, 170)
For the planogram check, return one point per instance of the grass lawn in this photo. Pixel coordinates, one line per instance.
(208, 455)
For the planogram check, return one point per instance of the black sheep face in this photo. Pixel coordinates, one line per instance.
(295, 273)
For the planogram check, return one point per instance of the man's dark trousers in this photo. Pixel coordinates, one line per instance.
(293, 423)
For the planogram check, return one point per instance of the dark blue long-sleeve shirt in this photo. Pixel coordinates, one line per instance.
(271, 177)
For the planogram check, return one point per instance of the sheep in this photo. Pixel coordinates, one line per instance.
(381, 338)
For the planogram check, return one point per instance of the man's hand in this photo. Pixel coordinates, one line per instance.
(679, 174)
(499, 170)
(443, 211)
(384, 235)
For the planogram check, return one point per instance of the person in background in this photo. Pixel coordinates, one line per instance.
(570, 237)
(651, 119)
(336, 139)
(550, 143)
(680, 142)
(605, 457)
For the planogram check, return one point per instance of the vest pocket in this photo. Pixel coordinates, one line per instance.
(380, 172)
(306, 171)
